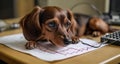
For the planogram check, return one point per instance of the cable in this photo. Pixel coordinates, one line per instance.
(91, 5)
(92, 45)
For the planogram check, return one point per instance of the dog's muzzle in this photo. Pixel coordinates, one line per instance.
(67, 40)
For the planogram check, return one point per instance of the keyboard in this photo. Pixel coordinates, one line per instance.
(111, 38)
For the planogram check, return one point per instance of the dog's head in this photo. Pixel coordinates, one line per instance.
(49, 23)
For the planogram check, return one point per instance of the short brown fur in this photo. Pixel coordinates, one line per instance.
(60, 27)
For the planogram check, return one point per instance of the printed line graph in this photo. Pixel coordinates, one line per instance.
(47, 51)
(64, 51)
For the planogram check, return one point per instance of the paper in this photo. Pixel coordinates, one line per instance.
(46, 51)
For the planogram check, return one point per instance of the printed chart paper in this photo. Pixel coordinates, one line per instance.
(45, 50)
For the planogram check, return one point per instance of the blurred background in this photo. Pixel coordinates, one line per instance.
(18, 8)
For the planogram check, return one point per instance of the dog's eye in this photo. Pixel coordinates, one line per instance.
(52, 24)
(67, 24)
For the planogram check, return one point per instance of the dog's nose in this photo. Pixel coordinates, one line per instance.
(67, 41)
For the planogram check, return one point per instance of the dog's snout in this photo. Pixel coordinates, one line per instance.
(67, 40)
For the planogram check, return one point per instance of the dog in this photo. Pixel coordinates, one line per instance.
(60, 27)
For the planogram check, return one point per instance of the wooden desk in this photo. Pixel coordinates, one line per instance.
(94, 57)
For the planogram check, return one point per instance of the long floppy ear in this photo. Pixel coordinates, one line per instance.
(31, 25)
(73, 21)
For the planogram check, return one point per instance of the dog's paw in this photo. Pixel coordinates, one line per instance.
(31, 45)
(96, 34)
(75, 40)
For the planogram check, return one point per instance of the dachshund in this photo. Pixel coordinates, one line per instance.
(58, 26)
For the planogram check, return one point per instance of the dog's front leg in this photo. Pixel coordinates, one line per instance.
(31, 45)
(75, 40)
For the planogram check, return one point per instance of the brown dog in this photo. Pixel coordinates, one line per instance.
(59, 26)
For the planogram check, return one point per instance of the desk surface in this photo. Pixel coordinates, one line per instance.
(94, 57)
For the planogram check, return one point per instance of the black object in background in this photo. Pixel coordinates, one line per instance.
(114, 7)
(7, 9)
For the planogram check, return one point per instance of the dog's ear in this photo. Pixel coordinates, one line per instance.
(31, 25)
(73, 21)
